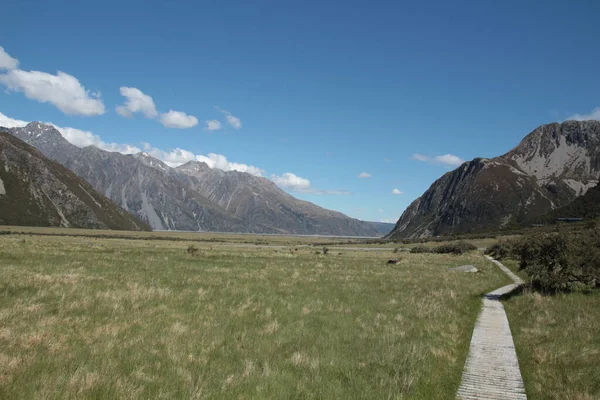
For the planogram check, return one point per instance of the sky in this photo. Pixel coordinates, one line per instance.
(356, 106)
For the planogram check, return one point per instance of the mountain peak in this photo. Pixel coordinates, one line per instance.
(150, 161)
(194, 165)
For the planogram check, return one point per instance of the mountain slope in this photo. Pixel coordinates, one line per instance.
(259, 201)
(586, 206)
(199, 200)
(39, 192)
(551, 167)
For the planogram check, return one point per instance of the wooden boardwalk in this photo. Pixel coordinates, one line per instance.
(492, 368)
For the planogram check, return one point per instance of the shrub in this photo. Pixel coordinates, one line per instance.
(420, 249)
(396, 250)
(455, 248)
(559, 261)
(503, 249)
(325, 251)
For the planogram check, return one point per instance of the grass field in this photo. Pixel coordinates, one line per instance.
(557, 338)
(115, 318)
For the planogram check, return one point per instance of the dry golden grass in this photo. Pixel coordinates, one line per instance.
(115, 318)
(558, 344)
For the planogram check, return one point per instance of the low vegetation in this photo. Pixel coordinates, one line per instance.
(556, 261)
(557, 338)
(115, 318)
(459, 247)
(555, 320)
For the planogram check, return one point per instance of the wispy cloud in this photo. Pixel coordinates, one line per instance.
(594, 114)
(364, 175)
(420, 157)
(232, 120)
(389, 220)
(396, 191)
(449, 160)
(61, 90)
(296, 183)
(213, 125)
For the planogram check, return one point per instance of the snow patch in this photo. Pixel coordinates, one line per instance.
(2, 189)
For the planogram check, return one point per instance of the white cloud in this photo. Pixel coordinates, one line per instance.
(213, 125)
(235, 122)
(396, 191)
(595, 114)
(364, 175)
(420, 157)
(61, 90)
(178, 119)
(449, 160)
(172, 158)
(8, 122)
(219, 161)
(298, 184)
(137, 101)
(6, 61)
(380, 210)
(81, 138)
(291, 181)
(389, 220)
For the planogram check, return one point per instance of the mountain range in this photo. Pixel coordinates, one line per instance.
(193, 196)
(39, 192)
(551, 167)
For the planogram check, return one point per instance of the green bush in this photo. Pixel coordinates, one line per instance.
(455, 248)
(420, 249)
(503, 249)
(561, 261)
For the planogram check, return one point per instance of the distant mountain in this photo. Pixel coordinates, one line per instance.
(192, 197)
(551, 167)
(382, 227)
(259, 201)
(36, 191)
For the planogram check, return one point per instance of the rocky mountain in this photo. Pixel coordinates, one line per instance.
(192, 197)
(259, 201)
(551, 167)
(39, 192)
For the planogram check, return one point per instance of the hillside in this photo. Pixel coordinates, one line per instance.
(551, 167)
(39, 192)
(586, 206)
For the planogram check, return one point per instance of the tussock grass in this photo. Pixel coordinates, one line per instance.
(114, 318)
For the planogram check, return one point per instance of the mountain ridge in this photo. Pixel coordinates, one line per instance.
(176, 199)
(549, 168)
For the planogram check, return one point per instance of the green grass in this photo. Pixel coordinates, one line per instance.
(557, 339)
(115, 318)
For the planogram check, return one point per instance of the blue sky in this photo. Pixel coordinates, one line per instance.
(310, 94)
